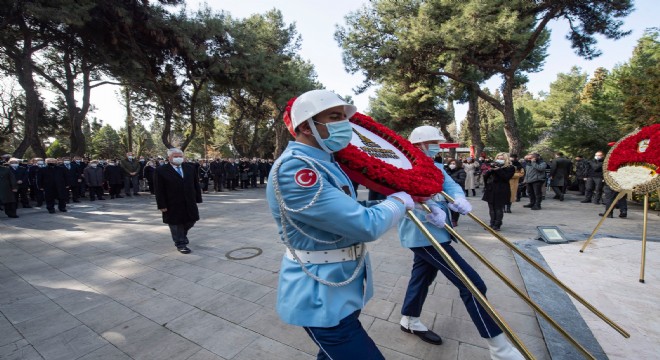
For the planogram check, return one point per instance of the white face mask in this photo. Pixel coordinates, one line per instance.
(67, 162)
(177, 160)
(499, 161)
(598, 157)
(14, 165)
(452, 166)
(93, 165)
(40, 162)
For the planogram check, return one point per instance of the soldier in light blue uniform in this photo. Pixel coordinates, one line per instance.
(427, 260)
(325, 277)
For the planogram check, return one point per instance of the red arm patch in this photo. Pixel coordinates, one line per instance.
(306, 177)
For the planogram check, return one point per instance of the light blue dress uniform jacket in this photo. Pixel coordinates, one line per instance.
(302, 300)
(409, 233)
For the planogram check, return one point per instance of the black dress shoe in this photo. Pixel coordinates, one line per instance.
(623, 215)
(536, 208)
(428, 335)
(585, 201)
(183, 250)
(611, 215)
(51, 211)
(528, 205)
(63, 210)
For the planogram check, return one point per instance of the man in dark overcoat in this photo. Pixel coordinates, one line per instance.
(560, 168)
(177, 194)
(52, 180)
(7, 190)
(74, 174)
(22, 182)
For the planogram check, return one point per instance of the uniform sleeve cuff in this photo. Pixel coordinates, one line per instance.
(397, 209)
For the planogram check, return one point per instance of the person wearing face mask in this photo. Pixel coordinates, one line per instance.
(113, 175)
(534, 178)
(497, 190)
(325, 277)
(130, 169)
(149, 171)
(427, 261)
(560, 168)
(455, 169)
(594, 180)
(53, 181)
(177, 194)
(141, 182)
(74, 176)
(36, 194)
(94, 180)
(471, 168)
(204, 175)
(8, 188)
(231, 173)
(21, 175)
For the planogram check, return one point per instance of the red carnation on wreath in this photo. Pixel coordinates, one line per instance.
(423, 180)
(287, 117)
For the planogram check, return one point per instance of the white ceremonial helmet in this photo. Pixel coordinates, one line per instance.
(425, 133)
(314, 102)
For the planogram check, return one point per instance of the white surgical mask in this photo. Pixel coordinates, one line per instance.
(112, 164)
(40, 162)
(341, 133)
(500, 161)
(14, 165)
(177, 160)
(130, 158)
(67, 162)
(598, 157)
(452, 166)
(93, 165)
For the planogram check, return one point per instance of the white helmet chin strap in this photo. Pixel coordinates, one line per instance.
(312, 125)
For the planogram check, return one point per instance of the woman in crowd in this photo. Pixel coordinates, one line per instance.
(471, 167)
(149, 175)
(456, 171)
(497, 192)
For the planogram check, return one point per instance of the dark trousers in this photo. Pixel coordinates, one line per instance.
(261, 179)
(347, 340)
(39, 196)
(559, 190)
(232, 184)
(496, 214)
(82, 189)
(608, 197)
(75, 191)
(253, 181)
(151, 186)
(454, 216)
(10, 209)
(50, 201)
(581, 185)
(131, 181)
(115, 189)
(535, 192)
(218, 179)
(205, 183)
(180, 233)
(94, 192)
(426, 264)
(594, 189)
(21, 196)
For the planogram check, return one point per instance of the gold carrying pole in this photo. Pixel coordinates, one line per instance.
(545, 272)
(473, 289)
(646, 213)
(607, 213)
(515, 289)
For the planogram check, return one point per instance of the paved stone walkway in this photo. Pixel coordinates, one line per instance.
(104, 281)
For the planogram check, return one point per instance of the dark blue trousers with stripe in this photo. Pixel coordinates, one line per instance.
(426, 264)
(347, 340)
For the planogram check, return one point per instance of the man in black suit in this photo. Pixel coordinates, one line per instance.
(52, 180)
(560, 168)
(74, 178)
(177, 195)
(21, 176)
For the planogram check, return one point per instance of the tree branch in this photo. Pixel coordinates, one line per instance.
(491, 100)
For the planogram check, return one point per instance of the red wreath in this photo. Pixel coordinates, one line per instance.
(423, 180)
(626, 151)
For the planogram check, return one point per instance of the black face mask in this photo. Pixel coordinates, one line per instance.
(51, 164)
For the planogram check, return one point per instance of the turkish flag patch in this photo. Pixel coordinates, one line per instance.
(306, 177)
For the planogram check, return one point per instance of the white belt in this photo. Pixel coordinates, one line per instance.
(350, 253)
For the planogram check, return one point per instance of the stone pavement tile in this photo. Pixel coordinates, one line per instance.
(127, 268)
(440, 305)
(141, 338)
(381, 309)
(205, 355)
(427, 317)
(106, 316)
(127, 292)
(263, 277)
(457, 329)
(70, 344)
(47, 325)
(395, 355)
(146, 258)
(268, 323)
(382, 292)
(14, 288)
(187, 291)
(217, 281)
(230, 308)
(366, 321)
(189, 272)
(265, 348)
(471, 352)
(19, 350)
(8, 332)
(162, 308)
(247, 290)
(28, 308)
(107, 352)
(213, 333)
(269, 300)
(389, 335)
(80, 301)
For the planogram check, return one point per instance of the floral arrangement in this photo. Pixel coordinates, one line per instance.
(423, 180)
(633, 163)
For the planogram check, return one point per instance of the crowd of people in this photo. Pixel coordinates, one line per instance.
(505, 179)
(60, 181)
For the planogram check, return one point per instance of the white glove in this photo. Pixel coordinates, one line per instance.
(437, 217)
(460, 205)
(405, 199)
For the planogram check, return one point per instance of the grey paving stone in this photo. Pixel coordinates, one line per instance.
(218, 281)
(8, 333)
(388, 335)
(162, 308)
(47, 325)
(20, 350)
(28, 308)
(107, 352)
(127, 292)
(247, 290)
(205, 355)
(71, 344)
(14, 288)
(457, 329)
(471, 352)
(267, 323)
(213, 333)
(265, 348)
(378, 308)
(141, 338)
(106, 316)
(230, 308)
(80, 301)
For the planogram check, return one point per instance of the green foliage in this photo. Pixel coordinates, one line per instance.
(105, 144)
(57, 149)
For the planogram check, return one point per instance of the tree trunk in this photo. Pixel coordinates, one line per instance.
(33, 105)
(474, 125)
(282, 135)
(129, 120)
(510, 128)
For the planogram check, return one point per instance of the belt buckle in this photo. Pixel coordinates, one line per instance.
(355, 251)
